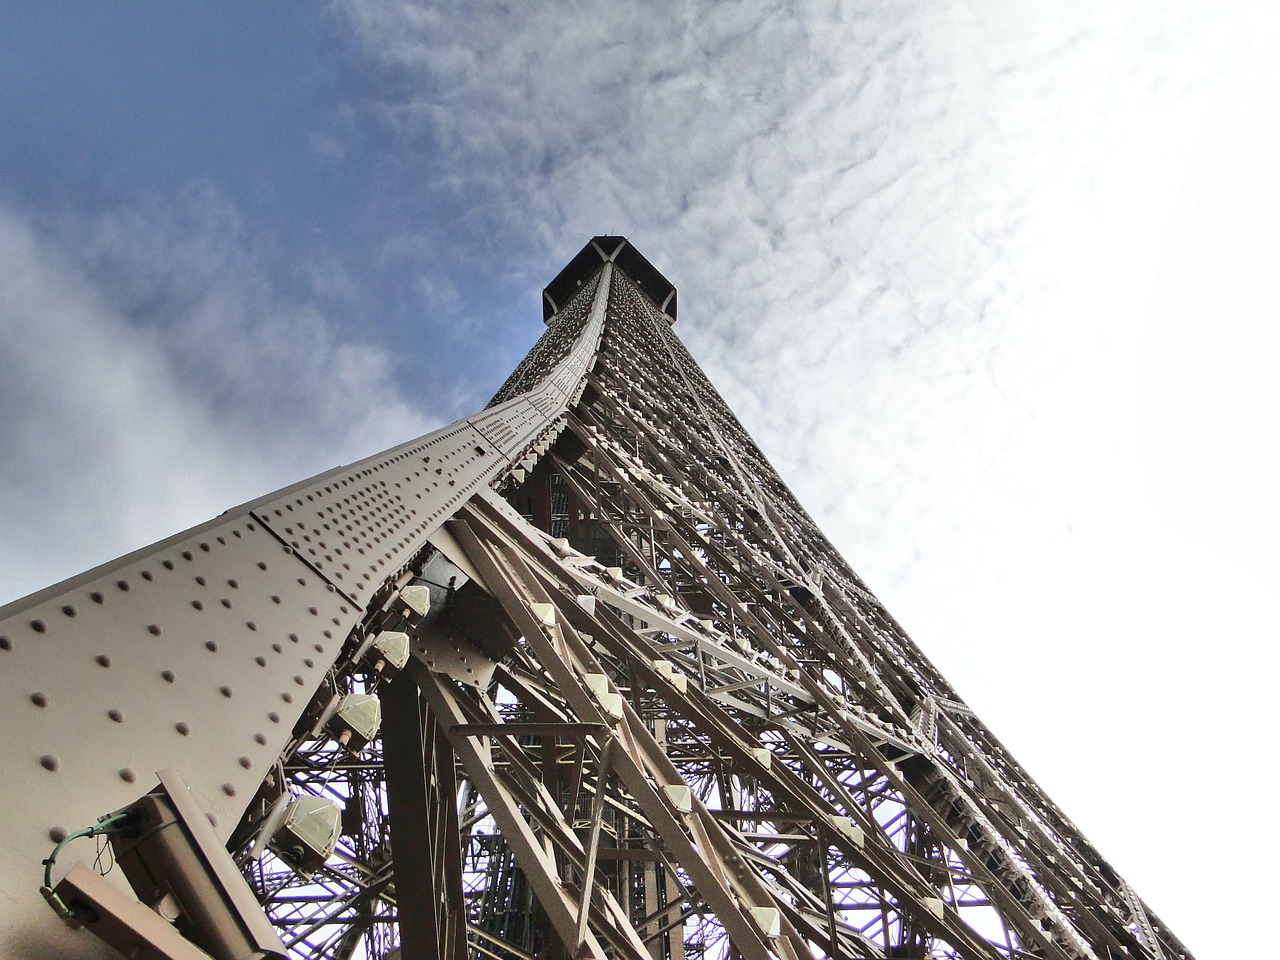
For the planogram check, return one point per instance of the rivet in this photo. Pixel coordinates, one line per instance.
(123, 586)
(251, 625)
(297, 678)
(245, 762)
(311, 610)
(69, 610)
(182, 728)
(309, 662)
(96, 597)
(260, 739)
(168, 676)
(260, 661)
(302, 582)
(275, 599)
(127, 775)
(261, 565)
(204, 547)
(211, 646)
(233, 583)
(226, 603)
(38, 626)
(273, 717)
(293, 637)
(186, 555)
(197, 604)
(167, 564)
(39, 699)
(146, 575)
(319, 648)
(201, 580)
(277, 648)
(212, 818)
(102, 660)
(153, 629)
(6, 643)
(328, 633)
(225, 691)
(287, 697)
(50, 762)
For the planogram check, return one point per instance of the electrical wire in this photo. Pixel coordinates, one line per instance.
(102, 826)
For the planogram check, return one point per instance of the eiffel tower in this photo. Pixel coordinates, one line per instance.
(574, 677)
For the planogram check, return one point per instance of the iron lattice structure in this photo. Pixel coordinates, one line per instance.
(649, 710)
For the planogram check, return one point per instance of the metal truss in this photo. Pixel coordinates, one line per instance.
(649, 711)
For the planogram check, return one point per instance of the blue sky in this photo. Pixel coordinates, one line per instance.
(989, 283)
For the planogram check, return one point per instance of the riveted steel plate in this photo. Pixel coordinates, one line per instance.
(197, 655)
(200, 652)
(454, 658)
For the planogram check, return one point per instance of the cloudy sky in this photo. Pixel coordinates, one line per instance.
(990, 282)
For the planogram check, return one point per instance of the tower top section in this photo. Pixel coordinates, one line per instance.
(619, 252)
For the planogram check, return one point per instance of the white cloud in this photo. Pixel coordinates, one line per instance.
(151, 377)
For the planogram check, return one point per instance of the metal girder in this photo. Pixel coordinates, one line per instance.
(200, 652)
(423, 820)
(648, 711)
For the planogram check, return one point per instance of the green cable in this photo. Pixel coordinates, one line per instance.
(102, 826)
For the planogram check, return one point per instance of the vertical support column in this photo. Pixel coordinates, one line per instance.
(650, 867)
(422, 802)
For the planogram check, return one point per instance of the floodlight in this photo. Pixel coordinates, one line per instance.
(308, 832)
(356, 720)
(388, 652)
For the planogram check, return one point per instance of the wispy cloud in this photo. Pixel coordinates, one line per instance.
(151, 376)
(937, 213)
